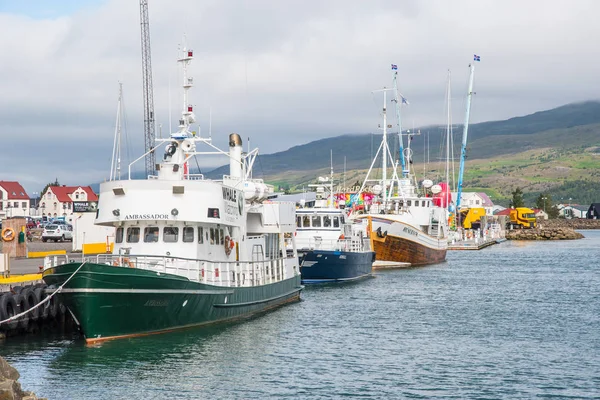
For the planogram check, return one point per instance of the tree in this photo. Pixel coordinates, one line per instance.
(517, 198)
(55, 183)
(544, 202)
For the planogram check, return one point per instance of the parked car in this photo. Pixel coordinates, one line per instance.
(57, 232)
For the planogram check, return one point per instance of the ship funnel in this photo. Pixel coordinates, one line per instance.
(235, 156)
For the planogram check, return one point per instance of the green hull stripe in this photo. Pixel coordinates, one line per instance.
(145, 291)
(260, 301)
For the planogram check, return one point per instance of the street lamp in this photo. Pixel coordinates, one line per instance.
(544, 198)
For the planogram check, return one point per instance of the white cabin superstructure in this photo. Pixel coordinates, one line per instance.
(212, 231)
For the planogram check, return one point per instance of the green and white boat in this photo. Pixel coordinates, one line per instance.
(188, 251)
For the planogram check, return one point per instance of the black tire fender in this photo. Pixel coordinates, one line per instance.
(44, 310)
(8, 308)
(23, 321)
(32, 301)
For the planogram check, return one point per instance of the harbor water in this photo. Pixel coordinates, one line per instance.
(515, 320)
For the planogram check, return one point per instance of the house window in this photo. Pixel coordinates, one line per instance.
(16, 204)
(24, 205)
(151, 234)
(408, 203)
(44, 205)
(188, 234)
(55, 205)
(64, 206)
(200, 235)
(477, 202)
(133, 234)
(76, 195)
(119, 235)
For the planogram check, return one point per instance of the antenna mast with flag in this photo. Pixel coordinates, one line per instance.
(398, 120)
(463, 152)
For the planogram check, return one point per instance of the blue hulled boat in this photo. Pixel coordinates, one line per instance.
(330, 247)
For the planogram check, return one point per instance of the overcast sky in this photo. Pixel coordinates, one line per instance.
(280, 72)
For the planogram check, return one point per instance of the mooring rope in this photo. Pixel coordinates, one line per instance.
(47, 299)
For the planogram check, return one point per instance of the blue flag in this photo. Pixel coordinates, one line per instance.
(394, 67)
(476, 57)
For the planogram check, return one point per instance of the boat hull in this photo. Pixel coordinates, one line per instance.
(399, 242)
(322, 266)
(115, 302)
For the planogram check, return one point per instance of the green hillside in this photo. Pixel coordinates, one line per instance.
(555, 151)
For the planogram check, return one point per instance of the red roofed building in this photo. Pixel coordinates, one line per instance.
(57, 201)
(14, 201)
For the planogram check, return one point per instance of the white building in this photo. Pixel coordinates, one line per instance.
(572, 211)
(14, 201)
(58, 201)
(475, 199)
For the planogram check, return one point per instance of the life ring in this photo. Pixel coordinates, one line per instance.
(8, 234)
(229, 245)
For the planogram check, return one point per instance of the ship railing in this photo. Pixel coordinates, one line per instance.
(353, 244)
(221, 273)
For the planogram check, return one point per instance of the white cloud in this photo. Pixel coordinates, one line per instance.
(282, 73)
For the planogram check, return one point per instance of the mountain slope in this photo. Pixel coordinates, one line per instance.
(486, 139)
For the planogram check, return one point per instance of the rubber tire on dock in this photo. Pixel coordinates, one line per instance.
(44, 310)
(31, 300)
(21, 307)
(53, 307)
(17, 289)
(8, 308)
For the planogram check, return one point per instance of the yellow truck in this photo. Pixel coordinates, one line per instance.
(471, 217)
(522, 218)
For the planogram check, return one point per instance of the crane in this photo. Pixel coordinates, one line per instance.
(149, 126)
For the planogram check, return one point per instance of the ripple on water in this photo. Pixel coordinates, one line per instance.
(516, 320)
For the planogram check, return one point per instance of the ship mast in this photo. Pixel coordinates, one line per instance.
(187, 113)
(463, 151)
(115, 164)
(399, 121)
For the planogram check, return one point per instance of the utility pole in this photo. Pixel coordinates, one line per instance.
(147, 87)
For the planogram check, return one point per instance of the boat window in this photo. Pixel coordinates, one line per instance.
(408, 202)
(133, 234)
(188, 234)
(200, 235)
(151, 234)
(212, 235)
(416, 203)
(316, 221)
(306, 221)
(299, 221)
(326, 221)
(336, 222)
(170, 234)
(222, 236)
(401, 203)
(119, 236)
